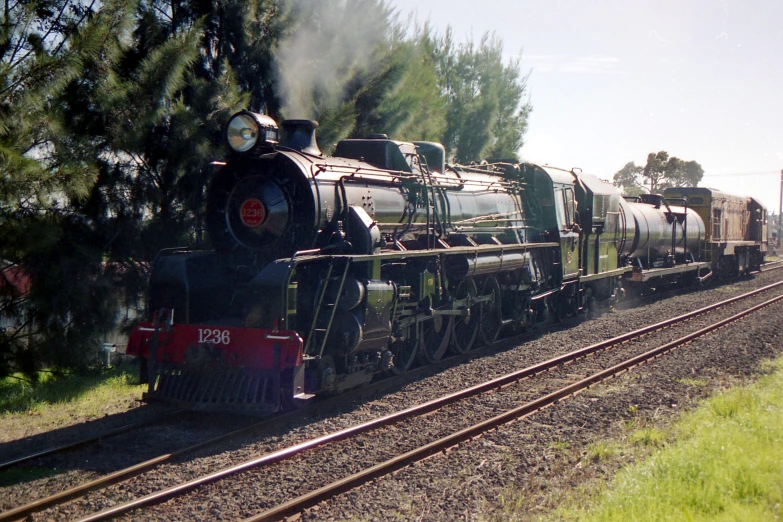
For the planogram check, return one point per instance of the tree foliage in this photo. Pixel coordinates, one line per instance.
(486, 115)
(628, 178)
(661, 171)
(46, 173)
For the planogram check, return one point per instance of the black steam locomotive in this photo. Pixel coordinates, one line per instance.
(326, 271)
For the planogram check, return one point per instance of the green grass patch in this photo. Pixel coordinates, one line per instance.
(726, 463)
(601, 450)
(563, 445)
(648, 437)
(92, 389)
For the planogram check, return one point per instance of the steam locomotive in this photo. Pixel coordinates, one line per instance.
(327, 271)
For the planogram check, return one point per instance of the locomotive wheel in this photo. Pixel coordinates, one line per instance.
(404, 353)
(491, 320)
(465, 329)
(588, 307)
(434, 338)
(564, 304)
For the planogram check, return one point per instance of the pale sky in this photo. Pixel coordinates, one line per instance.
(613, 80)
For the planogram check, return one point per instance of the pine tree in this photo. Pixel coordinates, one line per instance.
(406, 104)
(45, 172)
(486, 113)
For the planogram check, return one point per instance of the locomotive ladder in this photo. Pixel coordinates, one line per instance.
(432, 201)
(321, 309)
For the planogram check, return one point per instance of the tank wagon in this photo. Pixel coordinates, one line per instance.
(327, 271)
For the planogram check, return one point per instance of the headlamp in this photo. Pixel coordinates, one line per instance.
(248, 130)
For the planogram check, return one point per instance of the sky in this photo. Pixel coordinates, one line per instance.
(613, 80)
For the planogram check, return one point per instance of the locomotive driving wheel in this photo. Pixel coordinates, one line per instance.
(404, 353)
(491, 319)
(466, 327)
(434, 338)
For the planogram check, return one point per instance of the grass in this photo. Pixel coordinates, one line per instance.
(648, 437)
(88, 393)
(561, 445)
(726, 463)
(601, 450)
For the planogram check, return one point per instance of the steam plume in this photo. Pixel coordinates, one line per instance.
(330, 43)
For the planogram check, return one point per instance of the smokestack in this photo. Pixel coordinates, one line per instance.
(300, 135)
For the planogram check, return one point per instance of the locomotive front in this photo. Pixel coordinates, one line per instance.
(195, 349)
(261, 200)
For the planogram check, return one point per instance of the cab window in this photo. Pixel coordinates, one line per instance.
(570, 206)
(560, 209)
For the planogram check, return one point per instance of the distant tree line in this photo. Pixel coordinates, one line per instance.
(661, 171)
(111, 111)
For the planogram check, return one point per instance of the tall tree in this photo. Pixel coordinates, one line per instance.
(681, 173)
(403, 99)
(486, 114)
(627, 178)
(45, 171)
(654, 172)
(661, 171)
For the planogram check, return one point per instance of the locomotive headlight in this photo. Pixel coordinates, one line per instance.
(247, 129)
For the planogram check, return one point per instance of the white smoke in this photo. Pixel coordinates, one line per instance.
(331, 40)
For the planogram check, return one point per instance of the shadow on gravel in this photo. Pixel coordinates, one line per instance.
(62, 436)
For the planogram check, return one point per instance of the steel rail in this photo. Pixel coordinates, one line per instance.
(310, 499)
(420, 409)
(771, 265)
(132, 471)
(139, 468)
(90, 440)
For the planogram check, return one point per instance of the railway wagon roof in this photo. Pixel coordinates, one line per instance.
(559, 175)
(714, 194)
(703, 191)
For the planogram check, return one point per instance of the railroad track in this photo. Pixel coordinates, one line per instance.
(772, 265)
(412, 454)
(86, 441)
